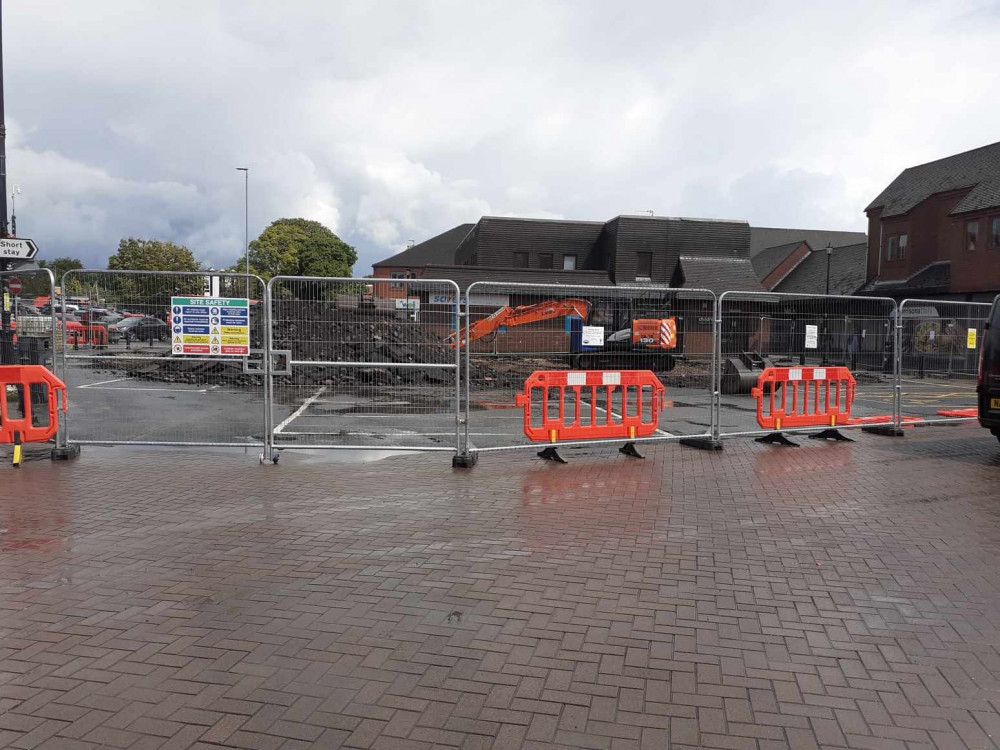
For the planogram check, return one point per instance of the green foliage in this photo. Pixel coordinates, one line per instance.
(152, 255)
(299, 247)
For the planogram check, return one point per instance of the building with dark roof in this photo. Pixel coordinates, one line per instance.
(839, 271)
(934, 231)
(774, 263)
(708, 253)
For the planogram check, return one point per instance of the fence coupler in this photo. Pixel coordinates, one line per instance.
(831, 434)
(629, 450)
(776, 438)
(551, 454)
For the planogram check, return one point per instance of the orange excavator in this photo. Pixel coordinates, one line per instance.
(657, 340)
(519, 316)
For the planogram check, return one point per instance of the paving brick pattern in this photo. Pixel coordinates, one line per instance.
(836, 596)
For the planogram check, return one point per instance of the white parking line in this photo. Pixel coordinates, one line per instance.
(102, 386)
(298, 412)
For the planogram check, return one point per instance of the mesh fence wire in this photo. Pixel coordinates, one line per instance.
(132, 381)
(759, 330)
(364, 363)
(513, 330)
(939, 347)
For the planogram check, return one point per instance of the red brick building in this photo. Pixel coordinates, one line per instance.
(935, 230)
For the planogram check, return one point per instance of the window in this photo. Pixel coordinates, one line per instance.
(545, 260)
(520, 260)
(644, 266)
(995, 231)
(896, 246)
(569, 262)
(397, 275)
(971, 234)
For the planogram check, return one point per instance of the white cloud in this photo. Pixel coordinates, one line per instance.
(391, 121)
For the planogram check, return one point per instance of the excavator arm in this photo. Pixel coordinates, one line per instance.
(517, 316)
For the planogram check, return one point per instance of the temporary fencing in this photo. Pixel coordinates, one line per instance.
(364, 364)
(165, 358)
(555, 405)
(789, 397)
(763, 330)
(513, 330)
(938, 346)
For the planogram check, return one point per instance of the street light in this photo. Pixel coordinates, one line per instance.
(246, 220)
(829, 254)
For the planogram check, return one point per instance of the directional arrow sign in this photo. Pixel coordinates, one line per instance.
(17, 247)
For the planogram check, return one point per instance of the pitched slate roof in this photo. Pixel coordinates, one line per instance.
(493, 235)
(762, 238)
(978, 169)
(438, 249)
(466, 275)
(932, 277)
(717, 274)
(767, 260)
(848, 269)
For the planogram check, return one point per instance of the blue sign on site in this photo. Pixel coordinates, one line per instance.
(195, 311)
(196, 329)
(177, 310)
(235, 312)
(177, 329)
(198, 320)
(177, 318)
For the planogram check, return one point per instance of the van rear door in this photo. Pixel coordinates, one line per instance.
(989, 374)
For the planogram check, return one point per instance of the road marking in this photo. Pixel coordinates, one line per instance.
(298, 412)
(103, 382)
(102, 386)
(398, 433)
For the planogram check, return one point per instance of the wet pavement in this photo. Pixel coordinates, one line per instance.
(833, 595)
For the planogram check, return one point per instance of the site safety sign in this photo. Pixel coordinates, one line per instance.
(206, 325)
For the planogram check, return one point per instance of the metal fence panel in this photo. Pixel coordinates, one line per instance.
(130, 385)
(498, 362)
(761, 329)
(939, 346)
(364, 363)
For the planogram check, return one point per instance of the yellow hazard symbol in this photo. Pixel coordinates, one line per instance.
(177, 339)
(215, 330)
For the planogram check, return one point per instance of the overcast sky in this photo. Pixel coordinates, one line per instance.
(394, 121)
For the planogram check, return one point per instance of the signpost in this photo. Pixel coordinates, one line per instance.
(206, 325)
(14, 285)
(17, 248)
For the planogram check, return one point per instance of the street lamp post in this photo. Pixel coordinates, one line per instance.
(829, 254)
(246, 220)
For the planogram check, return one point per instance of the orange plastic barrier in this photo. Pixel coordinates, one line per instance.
(23, 377)
(93, 334)
(972, 412)
(804, 397)
(632, 401)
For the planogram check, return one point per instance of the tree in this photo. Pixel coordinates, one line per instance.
(152, 255)
(299, 247)
(59, 266)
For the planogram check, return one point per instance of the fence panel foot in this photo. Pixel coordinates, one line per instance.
(831, 435)
(776, 438)
(551, 454)
(464, 460)
(889, 430)
(702, 443)
(629, 450)
(65, 453)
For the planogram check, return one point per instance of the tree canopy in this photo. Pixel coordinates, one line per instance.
(152, 255)
(299, 247)
(59, 266)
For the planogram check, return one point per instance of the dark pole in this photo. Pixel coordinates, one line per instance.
(6, 333)
(829, 254)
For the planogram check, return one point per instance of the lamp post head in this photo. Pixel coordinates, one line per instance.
(829, 248)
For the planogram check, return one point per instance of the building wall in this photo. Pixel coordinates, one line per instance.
(977, 270)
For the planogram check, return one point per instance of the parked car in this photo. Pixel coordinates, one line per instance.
(139, 329)
(988, 387)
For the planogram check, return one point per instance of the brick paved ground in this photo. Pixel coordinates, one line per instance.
(833, 595)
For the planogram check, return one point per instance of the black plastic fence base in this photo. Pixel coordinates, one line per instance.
(776, 438)
(629, 450)
(888, 430)
(65, 453)
(703, 444)
(464, 460)
(831, 434)
(551, 454)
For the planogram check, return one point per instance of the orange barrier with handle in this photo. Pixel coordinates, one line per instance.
(804, 397)
(632, 401)
(23, 377)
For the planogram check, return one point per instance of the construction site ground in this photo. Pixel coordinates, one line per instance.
(834, 596)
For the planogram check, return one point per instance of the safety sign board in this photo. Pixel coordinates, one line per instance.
(970, 339)
(592, 336)
(207, 325)
(812, 337)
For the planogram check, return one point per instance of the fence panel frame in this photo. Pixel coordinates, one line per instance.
(766, 295)
(914, 301)
(291, 363)
(468, 451)
(264, 444)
